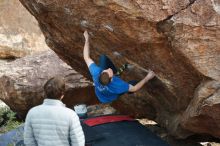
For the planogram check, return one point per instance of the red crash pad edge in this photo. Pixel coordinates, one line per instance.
(106, 119)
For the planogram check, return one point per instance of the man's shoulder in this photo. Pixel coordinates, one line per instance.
(35, 108)
(61, 111)
(94, 66)
(69, 111)
(95, 70)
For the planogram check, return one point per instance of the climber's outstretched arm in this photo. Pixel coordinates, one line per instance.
(86, 51)
(140, 84)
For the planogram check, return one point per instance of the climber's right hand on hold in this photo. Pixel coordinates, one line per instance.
(150, 75)
(141, 83)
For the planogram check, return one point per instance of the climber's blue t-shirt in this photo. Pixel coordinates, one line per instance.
(109, 92)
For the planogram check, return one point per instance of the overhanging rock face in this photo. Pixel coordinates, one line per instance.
(179, 40)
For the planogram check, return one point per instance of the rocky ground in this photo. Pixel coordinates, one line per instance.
(191, 141)
(105, 109)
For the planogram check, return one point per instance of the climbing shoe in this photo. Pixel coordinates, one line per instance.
(121, 69)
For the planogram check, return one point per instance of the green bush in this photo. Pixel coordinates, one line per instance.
(8, 120)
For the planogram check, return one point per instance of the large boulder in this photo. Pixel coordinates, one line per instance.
(22, 82)
(19, 31)
(179, 40)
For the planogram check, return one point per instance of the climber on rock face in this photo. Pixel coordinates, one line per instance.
(109, 86)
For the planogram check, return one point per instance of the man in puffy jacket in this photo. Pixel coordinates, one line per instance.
(52, 124)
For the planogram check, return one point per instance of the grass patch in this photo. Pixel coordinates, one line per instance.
(8, 120)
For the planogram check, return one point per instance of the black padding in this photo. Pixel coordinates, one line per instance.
(91, 134)
(125, 133)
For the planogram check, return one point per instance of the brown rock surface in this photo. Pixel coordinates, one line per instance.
(179, 40)
(22, 82)
(202, 113)
(19, 31)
